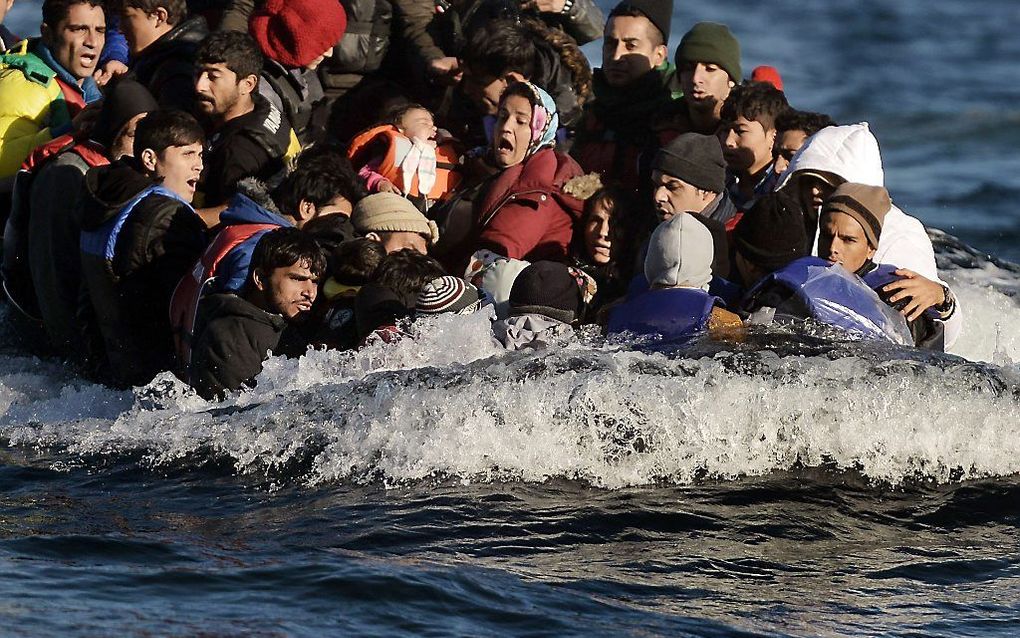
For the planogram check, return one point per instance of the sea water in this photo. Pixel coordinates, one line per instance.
(795, 483)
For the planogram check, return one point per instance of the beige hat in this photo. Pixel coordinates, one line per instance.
(390, 213)
(866, 204)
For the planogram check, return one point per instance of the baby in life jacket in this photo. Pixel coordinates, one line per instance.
(409, 156)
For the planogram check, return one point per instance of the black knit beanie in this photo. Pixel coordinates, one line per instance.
(658, 12)
(711, 42)
(124, 99)
(547, 288)
(696, 159)
(772, 234)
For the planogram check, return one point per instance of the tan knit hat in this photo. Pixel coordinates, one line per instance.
(387, 212)
(866, 204)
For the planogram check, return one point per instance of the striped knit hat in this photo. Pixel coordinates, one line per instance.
(448, 294)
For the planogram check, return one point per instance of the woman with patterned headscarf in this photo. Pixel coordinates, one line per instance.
(522, 212)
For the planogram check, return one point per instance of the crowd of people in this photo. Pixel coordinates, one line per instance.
(191, 186)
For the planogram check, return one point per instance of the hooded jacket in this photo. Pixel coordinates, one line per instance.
(524, 213)
(233, 337)
(167, 66)
(130, 293)
(851, 153)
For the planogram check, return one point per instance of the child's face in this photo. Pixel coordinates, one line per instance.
(418, 123)
(747, 146)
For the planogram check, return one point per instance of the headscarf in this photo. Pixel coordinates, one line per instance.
(544, 119)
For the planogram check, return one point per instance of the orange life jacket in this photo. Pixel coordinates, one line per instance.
(394, 147)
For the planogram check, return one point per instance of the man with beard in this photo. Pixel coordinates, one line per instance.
(248, 136)
(236, 332)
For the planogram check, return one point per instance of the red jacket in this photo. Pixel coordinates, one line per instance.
(524, 214)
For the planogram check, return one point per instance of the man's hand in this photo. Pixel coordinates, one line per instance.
(922, 293)
(544, 6)
(445, 70)
(110, 70)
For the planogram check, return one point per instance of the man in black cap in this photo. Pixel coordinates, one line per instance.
(768, 237)
(689, 176)
(635, 84)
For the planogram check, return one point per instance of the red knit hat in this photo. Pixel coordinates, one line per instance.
(295, 32)
(768, 74)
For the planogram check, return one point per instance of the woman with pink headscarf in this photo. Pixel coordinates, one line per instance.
(522, 212)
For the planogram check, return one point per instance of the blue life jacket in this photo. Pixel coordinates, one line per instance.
(835, 297)
(673, 313)
(102, 242)
(232, 271)
(881, 275)
(727, 291)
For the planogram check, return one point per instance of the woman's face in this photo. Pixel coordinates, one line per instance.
(512, 134)
(597, 240)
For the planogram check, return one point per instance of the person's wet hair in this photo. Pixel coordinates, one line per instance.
(159, 130)
(505, 45)
(176, 10)
(56, 11)
(406, 272)
(284, 247)
(758, 101)
(355, 261)
(806, 121)
(318, 183)
(237, 51)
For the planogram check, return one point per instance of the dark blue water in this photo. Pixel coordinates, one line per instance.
(436, 488)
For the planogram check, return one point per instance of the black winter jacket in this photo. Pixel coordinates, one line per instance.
(167, 66)
(130, 295)
(233, 337)
(252, 145)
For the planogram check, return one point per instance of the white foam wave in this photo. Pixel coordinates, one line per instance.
(449, 402)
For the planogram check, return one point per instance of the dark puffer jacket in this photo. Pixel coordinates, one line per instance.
(252, 145)
(167, 66)
(130, 294)
(233, 337)
(361, 48)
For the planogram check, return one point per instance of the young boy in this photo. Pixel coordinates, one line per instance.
(747, 135)
(407, 155)
(792, 129)
(235, 333)
(140, 235)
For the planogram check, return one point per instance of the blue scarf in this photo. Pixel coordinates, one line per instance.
(88, 88)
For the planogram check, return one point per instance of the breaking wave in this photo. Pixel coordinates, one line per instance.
(450, 403)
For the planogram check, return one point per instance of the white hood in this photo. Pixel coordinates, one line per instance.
(850, 151)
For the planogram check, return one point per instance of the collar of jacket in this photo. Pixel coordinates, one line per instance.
(88, 87)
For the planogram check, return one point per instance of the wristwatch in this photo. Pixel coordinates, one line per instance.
(948, 306)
